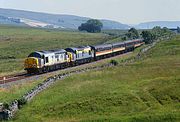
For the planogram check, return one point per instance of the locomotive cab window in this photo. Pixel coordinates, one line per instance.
(57, 57)
(35, 55)
(66, 56)
(62, 57)
(89, 52)
(47, 60)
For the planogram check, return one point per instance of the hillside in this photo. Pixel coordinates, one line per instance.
(145, 90)
(36, 19)
(150, 25)
(45, 20)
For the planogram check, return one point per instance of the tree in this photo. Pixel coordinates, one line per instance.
(148, 36)
(124, 38)
(132, 34)
(161, 33)
(157, 31)
(92, 26)
(166, 33)
(178, 29)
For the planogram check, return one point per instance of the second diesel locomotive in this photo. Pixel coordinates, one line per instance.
(45, 61)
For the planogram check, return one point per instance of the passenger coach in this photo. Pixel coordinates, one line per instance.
(102, 51)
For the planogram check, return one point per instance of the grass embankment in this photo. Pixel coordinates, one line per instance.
(146, 90)
(16, 43)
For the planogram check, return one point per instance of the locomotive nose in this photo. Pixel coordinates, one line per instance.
(31, 63)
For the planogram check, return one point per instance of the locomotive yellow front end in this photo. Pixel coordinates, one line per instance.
(31, 63)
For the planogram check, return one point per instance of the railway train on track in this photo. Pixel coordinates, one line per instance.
(45, 61)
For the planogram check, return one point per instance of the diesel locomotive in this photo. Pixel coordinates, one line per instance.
(45, 61)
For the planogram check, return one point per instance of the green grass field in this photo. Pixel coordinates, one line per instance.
(146, 90)
(16, 43)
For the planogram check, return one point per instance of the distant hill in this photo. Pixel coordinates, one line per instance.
(150, 25)
(37, 19)
(9, 20)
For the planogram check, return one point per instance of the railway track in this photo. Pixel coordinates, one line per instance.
(14, 77)
(24, 75)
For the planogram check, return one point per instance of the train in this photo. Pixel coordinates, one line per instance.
(44, 61)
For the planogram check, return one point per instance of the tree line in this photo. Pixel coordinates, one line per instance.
(95, 26)
(157, 33)
(178, 29)
(149, 36)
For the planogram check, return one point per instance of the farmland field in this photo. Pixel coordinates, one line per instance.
(144, 90)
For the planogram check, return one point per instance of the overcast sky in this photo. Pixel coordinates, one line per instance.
(124, 11)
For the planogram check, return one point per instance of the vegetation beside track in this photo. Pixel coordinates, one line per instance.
(145, 90)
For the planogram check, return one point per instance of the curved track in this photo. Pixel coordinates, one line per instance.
(24, 75)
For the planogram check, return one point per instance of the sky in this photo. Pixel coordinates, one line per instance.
(124, 11)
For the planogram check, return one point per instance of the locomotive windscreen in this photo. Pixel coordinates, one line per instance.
(37, 55)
